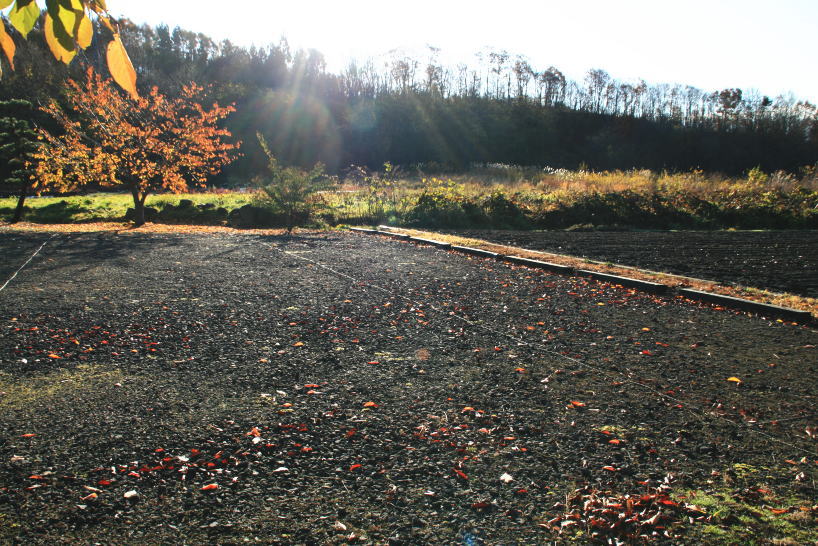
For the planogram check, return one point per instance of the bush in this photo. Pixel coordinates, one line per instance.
(290, 191)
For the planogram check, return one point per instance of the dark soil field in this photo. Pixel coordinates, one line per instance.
(338, 388)
(781, 261)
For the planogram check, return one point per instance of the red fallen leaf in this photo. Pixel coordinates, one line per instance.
(498, 349)
(52, 355)
(298, 344)
(609, 468)
(577, 404)
(790, 461)
(254, 432)
(104, 482)
(311, 391)
(351, 432)
(521, 491)
(306, 449)
(370, 405)
(373, 362)
(90, 496)
(29, 435)
(460, 473)
(519, 370)
(615, 441)
(354, 467)
(647, 353)
(467, 409)
(311, 386)
(779, 510)
(35, 477)
(210, 487)
(660, 344)
(158, 450)
(484, 431)
(667, 502)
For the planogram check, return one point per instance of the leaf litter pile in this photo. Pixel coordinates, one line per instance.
(337, 388)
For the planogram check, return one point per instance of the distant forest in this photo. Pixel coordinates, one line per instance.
(416, 111)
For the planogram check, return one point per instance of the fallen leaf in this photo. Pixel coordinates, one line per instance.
(370, 405)
(254, 432)
(298, 344)
(131, 494)
(506, 477)
(460, 473)
(609, 468)
(29, 435)
(210, 487)
(577, 404)
(467, 409)
(354, 467)
(734, 379)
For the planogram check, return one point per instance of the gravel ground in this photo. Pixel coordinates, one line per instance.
(781, 261)
(335, 388)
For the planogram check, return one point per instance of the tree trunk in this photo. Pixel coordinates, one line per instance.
(139, 208)
(21, 200)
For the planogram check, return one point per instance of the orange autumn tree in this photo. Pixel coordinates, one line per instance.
(144, 145)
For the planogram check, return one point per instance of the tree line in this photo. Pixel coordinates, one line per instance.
(415, 110)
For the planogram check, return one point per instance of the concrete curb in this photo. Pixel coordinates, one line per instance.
(476, 252)
(647, 286)
(765, 309)
(747, 305)
(401, 236)
(438, 244)
(537, 264)
(364, 230)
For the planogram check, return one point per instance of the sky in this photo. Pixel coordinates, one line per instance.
(757, 45)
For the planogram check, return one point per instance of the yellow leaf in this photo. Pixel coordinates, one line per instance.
(55, 37)
(119, 64)
(5, 3)
(24, 15)
(85, 32)
(8, 44)
(734, 379)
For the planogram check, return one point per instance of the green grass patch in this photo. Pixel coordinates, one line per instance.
(734, 518)
(111, 207)
(23, 392)
(577, 200)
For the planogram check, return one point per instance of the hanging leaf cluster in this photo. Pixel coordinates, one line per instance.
(68, 29)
